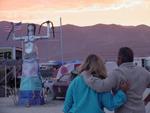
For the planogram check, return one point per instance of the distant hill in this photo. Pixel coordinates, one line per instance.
(78, 42)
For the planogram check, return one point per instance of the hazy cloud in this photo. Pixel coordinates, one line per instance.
(58, 4)
(40, 10)
(100, 7)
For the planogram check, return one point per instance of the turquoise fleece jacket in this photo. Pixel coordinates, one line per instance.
(82, 99)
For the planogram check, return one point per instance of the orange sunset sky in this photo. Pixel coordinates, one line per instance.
(77, 12)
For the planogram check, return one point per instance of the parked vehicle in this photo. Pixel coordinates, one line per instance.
(60, 86)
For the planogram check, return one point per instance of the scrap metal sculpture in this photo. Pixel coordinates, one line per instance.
(31, 84)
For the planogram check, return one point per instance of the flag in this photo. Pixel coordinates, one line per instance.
(64, 70)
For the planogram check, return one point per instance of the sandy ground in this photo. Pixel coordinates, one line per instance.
(52, 106)
(7, 106)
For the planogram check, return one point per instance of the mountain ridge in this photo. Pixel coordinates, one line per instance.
(78, 42)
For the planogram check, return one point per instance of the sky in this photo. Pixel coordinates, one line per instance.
(77, 12)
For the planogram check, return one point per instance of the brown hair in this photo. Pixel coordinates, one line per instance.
(95, 66)
(126, 54)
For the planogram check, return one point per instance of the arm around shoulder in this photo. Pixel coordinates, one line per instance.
(101, 85)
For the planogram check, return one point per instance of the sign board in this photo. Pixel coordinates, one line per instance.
(6, 53)
(10, 56)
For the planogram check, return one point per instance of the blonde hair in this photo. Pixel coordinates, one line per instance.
(95, 66)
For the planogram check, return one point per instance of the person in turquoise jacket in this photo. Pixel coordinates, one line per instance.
(82, 99)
